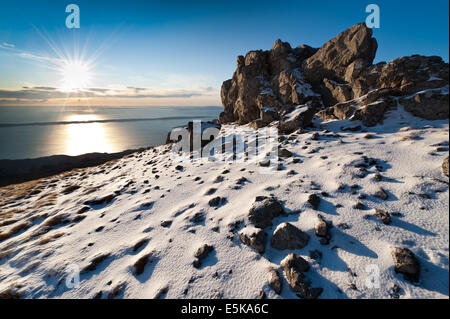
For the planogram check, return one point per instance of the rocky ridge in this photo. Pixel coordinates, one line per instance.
(287, 86)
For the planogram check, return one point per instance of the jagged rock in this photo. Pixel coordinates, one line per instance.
(406, 263)
(294, 266)
(287, 236)
(264, 83)
(383, 216)
(275, 281)
(253, 237)
(445, 166)
(344, 57)
(263, 210)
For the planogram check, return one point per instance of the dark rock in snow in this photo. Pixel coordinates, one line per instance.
(263, 211)
(445, 167)
(406, 263)
(287, 236)
(254, 237)
(201, 254)
(383, 216)
(275, 281)
(322, 229)
(313, 201)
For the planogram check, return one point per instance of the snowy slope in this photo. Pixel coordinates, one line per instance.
(44, 236)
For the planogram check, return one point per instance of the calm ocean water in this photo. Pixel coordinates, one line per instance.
(36, 131)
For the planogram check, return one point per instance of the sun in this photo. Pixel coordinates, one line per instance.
(76, 75)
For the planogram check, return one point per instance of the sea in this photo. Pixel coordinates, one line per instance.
(38, 131)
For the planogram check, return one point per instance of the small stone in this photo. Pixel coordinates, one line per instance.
(314, 201)
(284, 153)
(315, 254)
(378, 177)
(211, 191)
(383, 216)
(216, 201)
(359, 206)
(219, 179)
(201, 254)
(381, 193)
(264, 163)
(322, 230)
(166, 223)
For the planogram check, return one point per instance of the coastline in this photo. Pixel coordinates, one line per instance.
(25, 170)
(19, 171)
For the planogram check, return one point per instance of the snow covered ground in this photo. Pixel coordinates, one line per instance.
(132, 226)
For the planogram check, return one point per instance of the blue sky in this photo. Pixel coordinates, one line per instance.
(181, 51)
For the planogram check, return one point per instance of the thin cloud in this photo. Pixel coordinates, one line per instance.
(47, 93)
(7, 45)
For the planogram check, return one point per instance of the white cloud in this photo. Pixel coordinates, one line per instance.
(7, 45)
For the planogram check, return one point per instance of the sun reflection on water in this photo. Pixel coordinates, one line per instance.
(86, 137)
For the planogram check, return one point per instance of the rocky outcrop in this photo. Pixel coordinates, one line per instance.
(288, 86)
(265, 84)
(344, 57)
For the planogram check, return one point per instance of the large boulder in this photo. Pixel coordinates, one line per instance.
(344, 57)
(287, 236)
